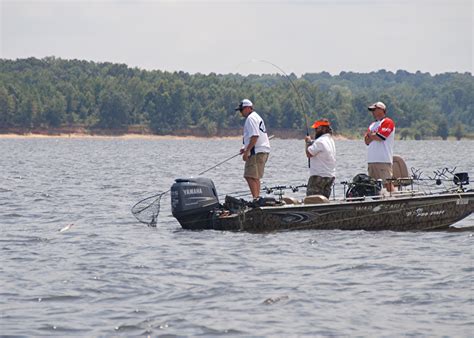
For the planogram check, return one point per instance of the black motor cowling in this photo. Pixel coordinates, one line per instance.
(192, 199)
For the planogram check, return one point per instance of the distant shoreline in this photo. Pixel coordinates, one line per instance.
(141, 133)
(132, 137)
(121, 136)
(186, 134)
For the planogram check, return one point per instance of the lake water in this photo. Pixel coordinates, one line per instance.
(109, 275)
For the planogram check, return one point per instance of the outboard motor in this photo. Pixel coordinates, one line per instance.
(192, 199)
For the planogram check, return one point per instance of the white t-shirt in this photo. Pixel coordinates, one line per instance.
(323, 161)
(254, 126)
(382, 151)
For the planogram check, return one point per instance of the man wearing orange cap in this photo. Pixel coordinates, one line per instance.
(379, 138)
(322, 157)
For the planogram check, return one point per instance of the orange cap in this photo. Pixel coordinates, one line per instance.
(320, 123)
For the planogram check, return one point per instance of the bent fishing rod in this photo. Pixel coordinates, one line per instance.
(287, 77)
(300, 100)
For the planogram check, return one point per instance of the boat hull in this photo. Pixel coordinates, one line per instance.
(413, 213)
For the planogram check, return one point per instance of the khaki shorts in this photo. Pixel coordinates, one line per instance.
(255, 165)
(380, 171)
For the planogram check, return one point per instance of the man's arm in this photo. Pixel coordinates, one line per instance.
(308, 143)
(371, 136)
(252, 143)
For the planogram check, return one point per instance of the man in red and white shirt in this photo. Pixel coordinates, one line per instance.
(380, 137)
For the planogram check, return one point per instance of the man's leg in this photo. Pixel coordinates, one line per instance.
(389, 186)
(254, 185)
(318, 185)
(382, 171)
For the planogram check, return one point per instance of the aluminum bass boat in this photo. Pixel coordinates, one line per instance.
(195, 204)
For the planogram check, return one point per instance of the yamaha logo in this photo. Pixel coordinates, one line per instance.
(193, 191)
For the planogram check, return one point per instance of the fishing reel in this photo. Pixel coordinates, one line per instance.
(458, 179)
(443, 175)
(278, 190)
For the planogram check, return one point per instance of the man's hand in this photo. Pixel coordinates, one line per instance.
(307, 143)
(367, 138)
(246, 155)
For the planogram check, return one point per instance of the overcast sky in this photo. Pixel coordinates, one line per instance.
(225, 36)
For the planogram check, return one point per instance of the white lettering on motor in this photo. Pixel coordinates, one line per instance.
(193, 191)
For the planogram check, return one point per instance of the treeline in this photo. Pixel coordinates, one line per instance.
(52, 92)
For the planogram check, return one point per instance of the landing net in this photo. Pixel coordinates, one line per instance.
(146, 211)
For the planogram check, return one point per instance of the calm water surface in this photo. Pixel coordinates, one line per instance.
(111, 276)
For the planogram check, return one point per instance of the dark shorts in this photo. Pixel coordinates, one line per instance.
(318, 185)
(255, 165)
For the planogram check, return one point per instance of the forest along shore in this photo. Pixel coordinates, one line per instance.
(106, 98)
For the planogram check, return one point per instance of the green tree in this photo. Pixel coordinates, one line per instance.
(7, 108)
(114, 110)
(53, 92)
(54, 112)
(443, 130)
(404, 133)
(459, 131)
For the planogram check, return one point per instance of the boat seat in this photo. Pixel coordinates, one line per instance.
(400, 172)
(315, 199)
(290, 200)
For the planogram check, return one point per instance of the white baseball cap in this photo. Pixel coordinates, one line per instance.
(379, 104)
(244, 103)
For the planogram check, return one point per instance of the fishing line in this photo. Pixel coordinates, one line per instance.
(227, 159)
(300, 100)
(287, 77)
(146, 211)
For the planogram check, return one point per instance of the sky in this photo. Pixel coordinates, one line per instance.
(231, 36)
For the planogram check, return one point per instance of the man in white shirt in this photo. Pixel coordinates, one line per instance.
(256, 148)
(380, 138)
(322, 155)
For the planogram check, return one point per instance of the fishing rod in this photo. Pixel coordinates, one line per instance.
(218, 164)
(146, 210)
(300, 100)
(227, 159)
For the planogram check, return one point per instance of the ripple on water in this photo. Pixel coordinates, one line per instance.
(111, 276)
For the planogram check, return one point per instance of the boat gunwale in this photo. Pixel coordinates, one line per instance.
(382, 199)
